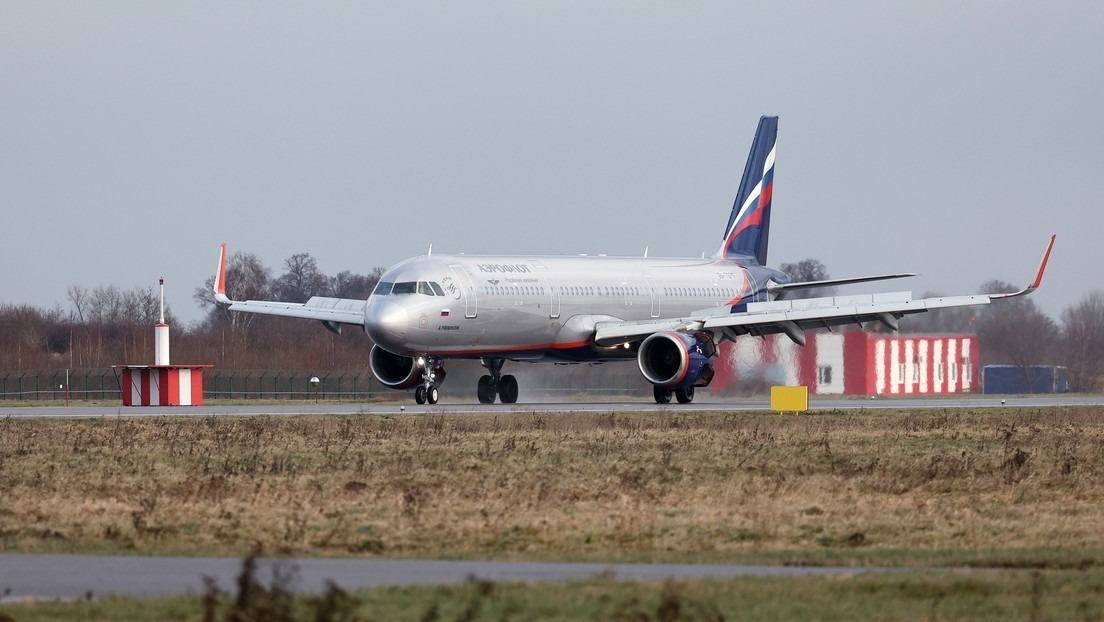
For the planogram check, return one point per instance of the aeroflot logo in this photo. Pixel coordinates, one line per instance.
(503, 267)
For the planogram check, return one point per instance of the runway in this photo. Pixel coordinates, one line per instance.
(78, 576)
(703, 406)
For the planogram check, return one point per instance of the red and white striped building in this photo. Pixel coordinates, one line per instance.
(854, 363)
(162, 385)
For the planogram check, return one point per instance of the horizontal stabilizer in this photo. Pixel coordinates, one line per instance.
(777, 288)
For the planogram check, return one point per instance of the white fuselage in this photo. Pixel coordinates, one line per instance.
(534, 308)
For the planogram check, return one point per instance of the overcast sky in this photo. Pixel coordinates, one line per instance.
(943, 137)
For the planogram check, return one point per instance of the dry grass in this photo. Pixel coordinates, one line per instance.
(571, 486)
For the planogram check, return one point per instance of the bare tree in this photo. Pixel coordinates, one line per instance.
(1083, 342)
(301, 279)
(357, 286)
(247, 278)
(78, 296)
(808, 270)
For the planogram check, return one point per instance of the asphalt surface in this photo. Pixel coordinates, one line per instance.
(308, 408)
(24, 577)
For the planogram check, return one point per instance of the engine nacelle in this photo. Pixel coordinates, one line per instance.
(393, 370)
(676, 360)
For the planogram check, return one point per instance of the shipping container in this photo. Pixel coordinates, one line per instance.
(1021, 379)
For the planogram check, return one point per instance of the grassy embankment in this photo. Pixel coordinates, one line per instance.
(1019, 491)
(855, 488)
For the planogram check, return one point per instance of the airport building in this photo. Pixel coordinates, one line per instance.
(853, 362)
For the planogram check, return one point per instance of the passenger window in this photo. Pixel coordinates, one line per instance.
(383, 288)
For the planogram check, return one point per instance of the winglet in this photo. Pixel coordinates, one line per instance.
(1038, 276)
(220, 277)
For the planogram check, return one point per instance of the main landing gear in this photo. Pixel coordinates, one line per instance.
(663, 395)
(495, 384)
(433, 374)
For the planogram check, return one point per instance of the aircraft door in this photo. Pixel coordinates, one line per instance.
(654, 291)
(554, 300)
(467, 289)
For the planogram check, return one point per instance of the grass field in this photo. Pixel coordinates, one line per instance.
(1011, 491)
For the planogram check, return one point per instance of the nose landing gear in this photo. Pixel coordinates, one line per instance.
(433, 374)
(495, 384)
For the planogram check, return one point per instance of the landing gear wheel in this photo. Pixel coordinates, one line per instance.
(662, 395)
(420, 395)
(485, 390)
(432, 394)
(508, 389)
(684, 396)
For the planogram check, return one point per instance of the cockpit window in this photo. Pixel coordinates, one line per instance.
(426, 288)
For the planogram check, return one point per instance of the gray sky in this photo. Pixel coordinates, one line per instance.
(944, 137)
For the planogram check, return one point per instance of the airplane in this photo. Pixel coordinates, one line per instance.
(668, 314)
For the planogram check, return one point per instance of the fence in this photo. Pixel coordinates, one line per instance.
(103, 385)
(538, 382)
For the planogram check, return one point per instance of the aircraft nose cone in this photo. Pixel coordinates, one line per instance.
(391, 322)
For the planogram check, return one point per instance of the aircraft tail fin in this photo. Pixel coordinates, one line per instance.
(749, 223)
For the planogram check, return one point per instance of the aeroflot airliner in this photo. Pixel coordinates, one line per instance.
(667, 314)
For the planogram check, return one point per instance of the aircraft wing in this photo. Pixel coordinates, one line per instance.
(330, 311)
(338, 310)
(794, 317)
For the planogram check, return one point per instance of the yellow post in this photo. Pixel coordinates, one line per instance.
(790, 399)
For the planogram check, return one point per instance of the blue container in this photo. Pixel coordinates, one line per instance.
(1017, 379)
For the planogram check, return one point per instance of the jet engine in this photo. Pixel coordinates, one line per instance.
(397, 372)
(677, 360)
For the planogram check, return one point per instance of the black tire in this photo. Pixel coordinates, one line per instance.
(508, 389)
(684, 396)
(432, 395)
(662, 394)
(420, 395)
(485, 390)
